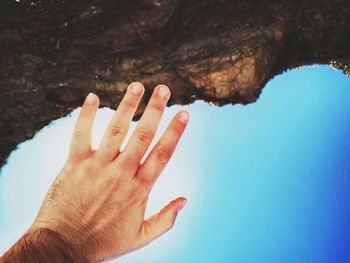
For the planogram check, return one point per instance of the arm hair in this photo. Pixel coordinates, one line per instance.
(43, 246)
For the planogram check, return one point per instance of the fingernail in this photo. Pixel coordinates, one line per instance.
(182, 205)
(184, 116)
(91, 98)
(136, 88)
(163, 91)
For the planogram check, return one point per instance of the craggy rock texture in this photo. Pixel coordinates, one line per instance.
(53, 53)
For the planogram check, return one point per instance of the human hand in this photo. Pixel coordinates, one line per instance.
(97, 202)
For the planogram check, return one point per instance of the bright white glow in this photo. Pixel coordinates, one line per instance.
(32, 168)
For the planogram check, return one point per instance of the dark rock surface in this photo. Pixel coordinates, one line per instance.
(53, 53)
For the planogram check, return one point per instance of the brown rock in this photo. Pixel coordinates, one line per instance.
(53, 53)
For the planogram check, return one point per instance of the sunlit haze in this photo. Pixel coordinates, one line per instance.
(267, 182)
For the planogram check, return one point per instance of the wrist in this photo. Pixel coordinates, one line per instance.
(43, 245)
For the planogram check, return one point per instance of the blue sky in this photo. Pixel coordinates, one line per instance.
(267, 182)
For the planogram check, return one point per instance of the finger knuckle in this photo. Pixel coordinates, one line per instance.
(145, 136)
(78, 134)
(129, 103)
(84, 114)
(117, 130)
(107, 150)
(157, 107)
(162, 154)
(144, 182)
(178, 129)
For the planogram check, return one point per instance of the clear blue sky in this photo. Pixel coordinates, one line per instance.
(267, 182)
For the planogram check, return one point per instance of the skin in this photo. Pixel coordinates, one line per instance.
(97, 202)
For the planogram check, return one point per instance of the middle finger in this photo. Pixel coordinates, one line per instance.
(119, 126)
(143, 135)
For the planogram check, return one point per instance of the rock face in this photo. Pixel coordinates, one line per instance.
(53, 53)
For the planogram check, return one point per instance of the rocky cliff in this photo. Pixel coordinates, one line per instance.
(53, 53)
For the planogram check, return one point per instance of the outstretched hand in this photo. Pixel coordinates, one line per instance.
(97, 202)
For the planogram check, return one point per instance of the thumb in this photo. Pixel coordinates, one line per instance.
(161, 222)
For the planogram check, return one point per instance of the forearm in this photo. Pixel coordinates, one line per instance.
(42, 245)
